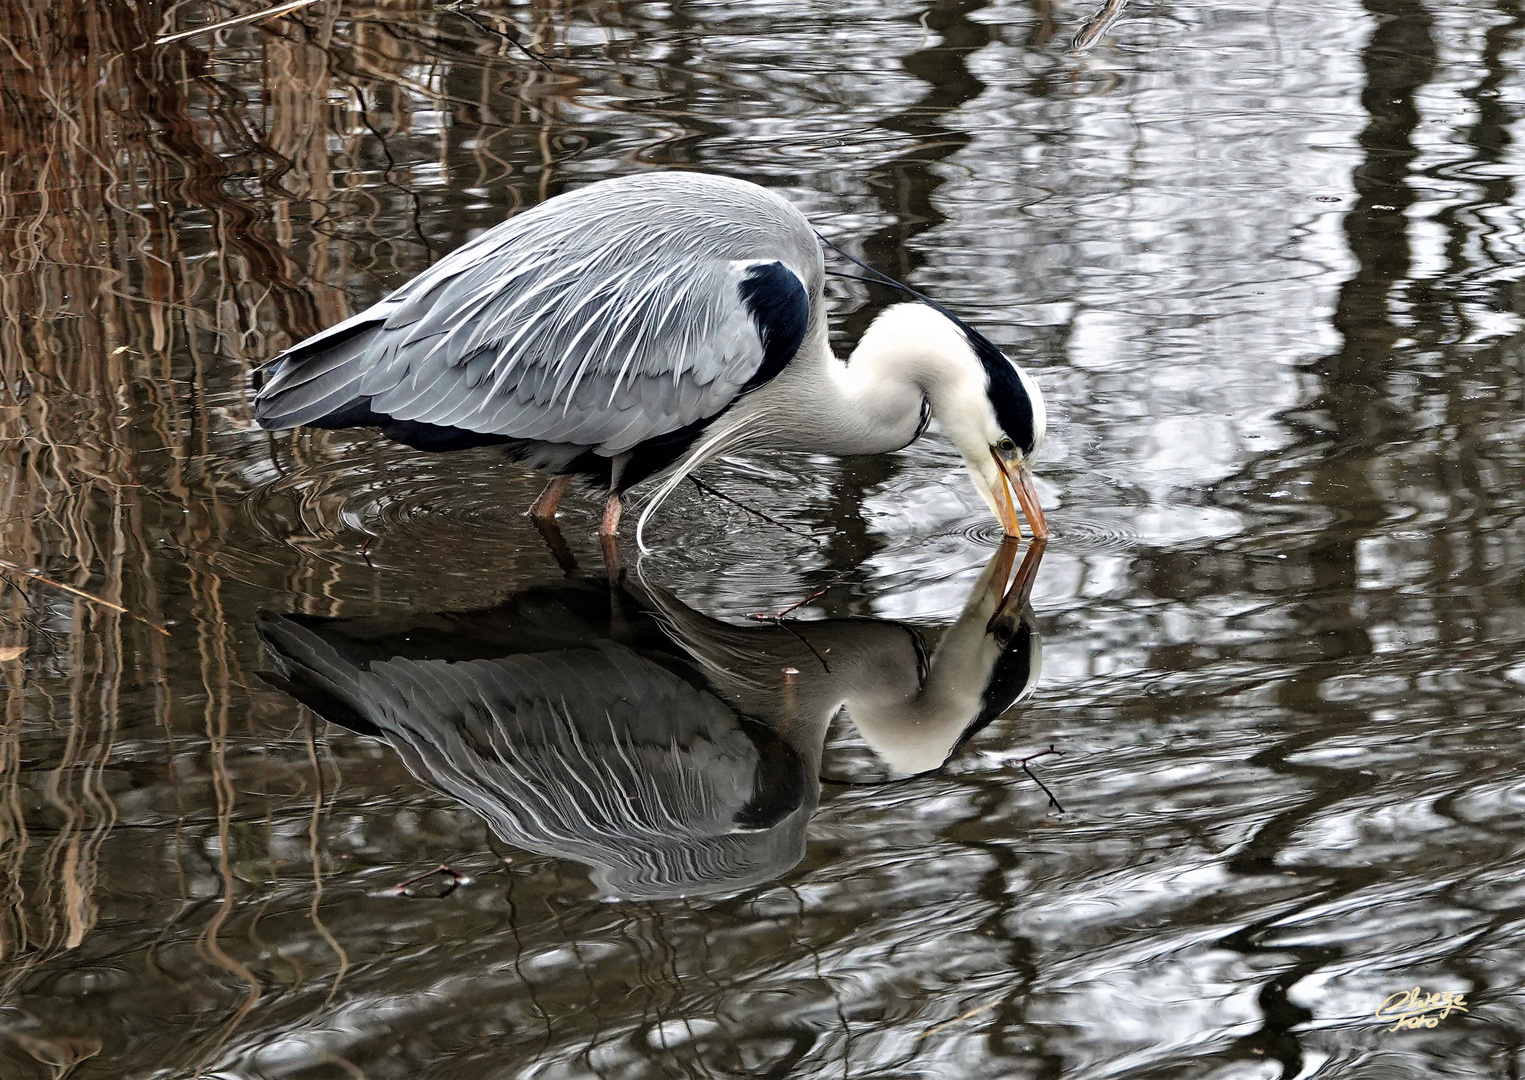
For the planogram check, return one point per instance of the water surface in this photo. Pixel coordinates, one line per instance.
(1263, 261)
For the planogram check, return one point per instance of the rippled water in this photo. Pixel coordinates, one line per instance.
(1263, 260)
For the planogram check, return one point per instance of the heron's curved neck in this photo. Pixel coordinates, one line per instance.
(912, 358)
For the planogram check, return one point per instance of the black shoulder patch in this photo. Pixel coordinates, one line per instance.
(778, 304)
(1013, 409)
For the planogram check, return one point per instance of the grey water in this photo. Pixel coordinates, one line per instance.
(1256, 769)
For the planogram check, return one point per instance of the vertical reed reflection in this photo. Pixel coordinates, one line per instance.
(1355, 397)
(156, 210)
(70, 504)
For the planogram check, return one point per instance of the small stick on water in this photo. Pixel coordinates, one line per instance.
(960, 1019)
(237, 20)
(453, 876)
(803, 641)
(1052, 801)
(702, 486)
(822, 591)
(81, 593)
(778, 620)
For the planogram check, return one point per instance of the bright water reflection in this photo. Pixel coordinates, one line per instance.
(1263, 260)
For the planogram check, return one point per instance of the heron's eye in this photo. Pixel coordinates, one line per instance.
(1006, 446)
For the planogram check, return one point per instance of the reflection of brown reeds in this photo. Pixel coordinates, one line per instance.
(69, 502)
(97, 413)
(169, 217)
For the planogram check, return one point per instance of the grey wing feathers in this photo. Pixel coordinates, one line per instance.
(593, 754)
(600, 318)
(560, 750)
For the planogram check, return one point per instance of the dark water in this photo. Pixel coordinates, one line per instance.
(1263, 258)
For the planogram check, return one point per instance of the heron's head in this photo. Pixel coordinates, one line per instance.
(1011, 428)
(985, 663)
(991, 409)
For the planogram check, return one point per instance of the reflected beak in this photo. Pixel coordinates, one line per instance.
(994, 582)
(1022, 585)
(1026, 494)
(1021, 589)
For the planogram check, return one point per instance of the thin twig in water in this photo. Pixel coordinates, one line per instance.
(237, 20)
(822, 591)
(454, 879)
(806, 643)
(1052, 801)
(779, 620)
(960, 1019)
(702, 486)
(81, 593)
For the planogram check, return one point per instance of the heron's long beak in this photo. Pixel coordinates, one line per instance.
(1026, 494)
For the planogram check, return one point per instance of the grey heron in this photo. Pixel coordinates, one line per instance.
(672, 753)
(643, 325)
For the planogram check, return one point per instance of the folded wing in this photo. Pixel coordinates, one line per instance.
(604, 318)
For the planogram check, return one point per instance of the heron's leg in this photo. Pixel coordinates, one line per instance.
(544, 508)
(609, 534)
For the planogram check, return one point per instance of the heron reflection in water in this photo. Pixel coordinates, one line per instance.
(673, 754)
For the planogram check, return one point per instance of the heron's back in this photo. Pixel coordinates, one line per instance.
(626, 314)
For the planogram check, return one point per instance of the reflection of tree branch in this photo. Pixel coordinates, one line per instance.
(237, 20)
(460, 8)
(1357, 402)
(242, 225)
(409, 193)
(1098, 24)
(315, 859)
(1488, 136)
(1399, 60)
(905, 198)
